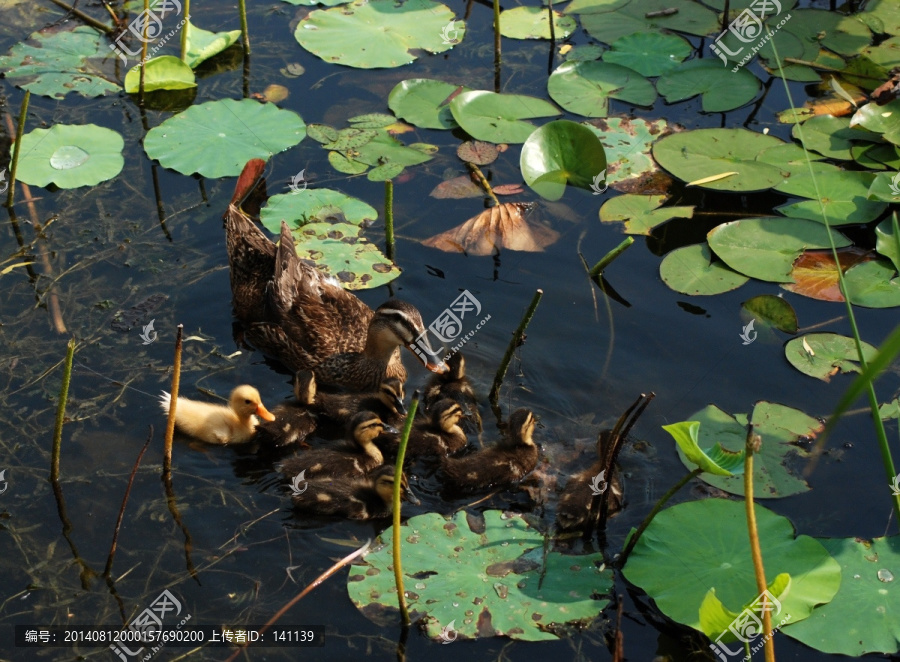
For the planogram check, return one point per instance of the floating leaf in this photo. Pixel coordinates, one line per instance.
(217, 138)
(499, 227)
(369, 34)
(347, 166)
(873, 285)
(496, 582)
(582, 53)
(315, 205)
(384, 172)
(560, 153)
(478, 152)
(793, 161)
(422, 102)
(202, 44)
(887, 240)
(766, 248)
(498, 118)
(627, 142)
(884, 186)
(773, 311)
(822, 355)
(880, 119)
(830, 136)
(617, 20)
(710, 538)
(641, 213)
(585, 88)
(322, 133)
(166, 72)
(692, 270)
(372, 121)
(693, 155)
(649, 53)
(339, 250)
(457, 189)
(816, 276)
(887, 411)
(532, 23)
(70, 155)
(722, 89)
(843, 195)
(58, 64)
(714, 460)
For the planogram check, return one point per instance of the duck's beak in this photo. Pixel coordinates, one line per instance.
(264, 413)
(406, 494)
(422, 349)
(399, 406)
(390, 429)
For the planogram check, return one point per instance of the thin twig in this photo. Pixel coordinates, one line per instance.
(598, 268)
(514, 342)
(61, 411)
(389, 219)
(475, 170)
(93, 22)
(20, 131)
(170, 421)
(398, 485)
(497, 58)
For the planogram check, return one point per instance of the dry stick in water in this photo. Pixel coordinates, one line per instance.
(93, 22)
(389, 218)
(513, 343)
(61, 411)
(316, 582)
(170, 421)
(20, 130)
(497, 59)
(754, 441)
(398, 484)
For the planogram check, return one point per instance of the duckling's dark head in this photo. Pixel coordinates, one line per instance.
(391, 393)
(305, 386)
(457, 366)
(365, 427)
(399, 323)
(446, 414)
(384, 477)
(521, 428)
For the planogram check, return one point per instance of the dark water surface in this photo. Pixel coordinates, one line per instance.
(583, 363)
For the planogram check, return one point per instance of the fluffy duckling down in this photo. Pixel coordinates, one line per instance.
(234, 423)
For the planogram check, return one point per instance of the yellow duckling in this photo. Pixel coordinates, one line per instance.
(220, 424)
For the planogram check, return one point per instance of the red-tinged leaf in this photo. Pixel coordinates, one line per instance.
(816, 276)
(499, 227)
(477, 152)
(508, 189)
(246, 182)
(457, 188)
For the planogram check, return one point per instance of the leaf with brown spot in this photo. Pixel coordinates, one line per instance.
(477, 152)
(485, 628)
(503, 226)
(816, 276)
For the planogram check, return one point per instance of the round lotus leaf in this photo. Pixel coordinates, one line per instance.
(585, 88)
(560, 153)
(696, 155)
(643, 16)
(696, 546)
(379, 33)
(844, 196)
(880, 119)
(70, 155)
(692, 270)
(722, 89)
(56, 63)
(339, 250)
(496, 582)
(822, 355)
(649, 53)
(532, 23)
(315, 205)
(499, 118)
(161, 73)
(640, 214)
(873, 285)
(766, 248)
(217, 138)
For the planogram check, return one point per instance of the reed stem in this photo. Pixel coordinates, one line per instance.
(61, 411)
(513, 343)
(752, 446)
(398, 484)
(184, 29)
(598, 268)
(389, 218)
(497, 58)
(20, 130)
(143, 54)
(245, 35)
(170, 421)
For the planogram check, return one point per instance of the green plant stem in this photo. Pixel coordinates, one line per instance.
(20, 130)
(752, 445)
(609, 257)
(485, 184)
(61, 411)
(93, 22)
(245, 34)
(389, 218)
(398, 483)
(143, 54)
(497, 59)
(170, 421)
(649, 518)
(513, 343)
(881, 434)
(184, 29)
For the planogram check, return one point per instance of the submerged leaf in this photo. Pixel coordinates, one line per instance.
(773, 311)
(457, 189)
(503, 226)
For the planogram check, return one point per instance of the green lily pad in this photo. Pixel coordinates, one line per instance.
(313, 3)
(58, 64)
(830, 136)
(315, 205)
(831, 353)
(641, 213)
(372, 121)
(873, 284)
(884, 186)
(698, 545)
(722, 89)
(378, 33)
(166, 72)
(627, 143)
(772, 311)
(844, 195)
(649, 53)
(594, 6)
(584, 52)
(202, 44)
(887, 240)
(217, 138)
(880, 119)
(322, 133)
(339, 250)
(861, 617)
(884, 14)
(420, 101)
(560, 153)
(717, 621)
(692, 270)
(766, 248)
(384, 149)
(70, 155)
(890, 410)
(791, 160)
(617, 21)
(499, 118)
(695, 155)
(532, 23)
(345, 165)
(495, 583)
(875, 157)
(715, 460)
(585, 88)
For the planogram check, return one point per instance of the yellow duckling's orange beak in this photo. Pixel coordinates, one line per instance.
(264, 413)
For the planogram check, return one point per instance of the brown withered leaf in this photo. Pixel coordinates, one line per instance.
(816, 276)
(508, 189)
(477, 152)
(499, 227)
(457, 188)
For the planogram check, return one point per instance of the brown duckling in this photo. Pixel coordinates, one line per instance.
(340, 408)
(439, 435)
(358, 498)
(499, 466)
(455, 385)
(294, 421)
(219, 424)
(574, 505)
(347, 459)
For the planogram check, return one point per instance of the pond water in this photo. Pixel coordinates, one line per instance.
(229, 545)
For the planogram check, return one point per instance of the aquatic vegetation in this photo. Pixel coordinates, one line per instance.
(562, 153)
(70, 156)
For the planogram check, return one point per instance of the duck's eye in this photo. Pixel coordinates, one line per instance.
(248, 402)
